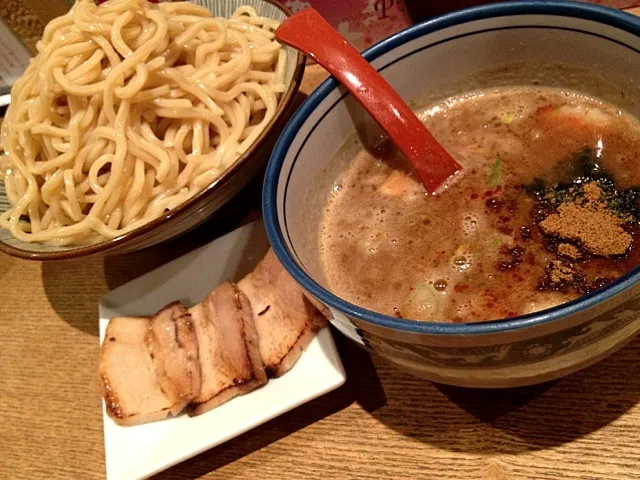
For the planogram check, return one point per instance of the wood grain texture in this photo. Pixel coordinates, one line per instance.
(382, 423)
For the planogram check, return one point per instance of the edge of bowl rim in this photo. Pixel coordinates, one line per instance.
(608, 16)
(106, 247)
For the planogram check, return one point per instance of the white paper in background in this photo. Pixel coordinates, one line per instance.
(14, 58)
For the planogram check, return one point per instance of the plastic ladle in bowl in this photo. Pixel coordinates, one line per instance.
(308, 32)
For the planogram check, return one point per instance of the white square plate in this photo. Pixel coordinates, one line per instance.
(141, 451)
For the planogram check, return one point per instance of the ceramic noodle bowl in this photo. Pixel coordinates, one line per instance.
(580, 47)
(202, 205)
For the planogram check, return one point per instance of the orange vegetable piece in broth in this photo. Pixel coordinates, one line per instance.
(569, 118)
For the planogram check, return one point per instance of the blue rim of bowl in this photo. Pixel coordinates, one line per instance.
(623, 21)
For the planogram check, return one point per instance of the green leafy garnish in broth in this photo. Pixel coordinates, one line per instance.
(507, 118)
(495, 175)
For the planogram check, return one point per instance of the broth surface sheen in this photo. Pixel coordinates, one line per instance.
(472, 252)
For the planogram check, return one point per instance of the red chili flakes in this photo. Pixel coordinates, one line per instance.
(600, 282)
(487, 194)
(544, 109)
(531, 258)
(514, 258)
(494, 203)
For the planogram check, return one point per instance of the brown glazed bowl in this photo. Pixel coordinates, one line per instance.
(200, 207)
(512, 43)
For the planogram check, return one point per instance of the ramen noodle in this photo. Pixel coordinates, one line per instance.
(128, 110)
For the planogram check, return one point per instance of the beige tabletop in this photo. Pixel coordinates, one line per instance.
(382, 423)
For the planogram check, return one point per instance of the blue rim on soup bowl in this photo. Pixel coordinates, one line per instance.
(586, 329)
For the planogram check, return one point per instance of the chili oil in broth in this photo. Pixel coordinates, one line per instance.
(474, 252)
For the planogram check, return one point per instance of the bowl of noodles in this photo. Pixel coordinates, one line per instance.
(136, 121)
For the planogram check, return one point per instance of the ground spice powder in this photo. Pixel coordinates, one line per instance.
(560, 274)
(570, 251)
(587, 221)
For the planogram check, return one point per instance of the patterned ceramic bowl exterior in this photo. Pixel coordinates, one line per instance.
(429, 57)
(200, 207)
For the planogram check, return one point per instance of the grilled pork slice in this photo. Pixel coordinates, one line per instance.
(173, 348)
(230, 361)
(130, 385)
(285, 319)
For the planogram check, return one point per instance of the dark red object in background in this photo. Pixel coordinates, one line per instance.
(361, 22)
(421, 10)
(365, 22)
(102, 1)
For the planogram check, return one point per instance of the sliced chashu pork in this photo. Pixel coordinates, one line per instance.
(130, 386)
(173, 347)
(230, 361)
(285, 320)
(149, 367)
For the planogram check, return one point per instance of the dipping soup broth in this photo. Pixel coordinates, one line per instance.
(544, 211)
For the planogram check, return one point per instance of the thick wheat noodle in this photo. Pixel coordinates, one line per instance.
(128, 110)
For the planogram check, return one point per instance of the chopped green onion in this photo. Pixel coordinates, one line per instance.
(507, 118)
(495, 175)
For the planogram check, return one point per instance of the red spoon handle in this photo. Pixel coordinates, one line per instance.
(308, 32)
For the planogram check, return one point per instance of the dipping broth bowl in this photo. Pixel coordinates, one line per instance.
(483, 47)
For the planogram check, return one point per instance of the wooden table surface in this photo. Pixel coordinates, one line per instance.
(382, 423)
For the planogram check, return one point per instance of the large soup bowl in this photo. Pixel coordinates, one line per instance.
(576, 46)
